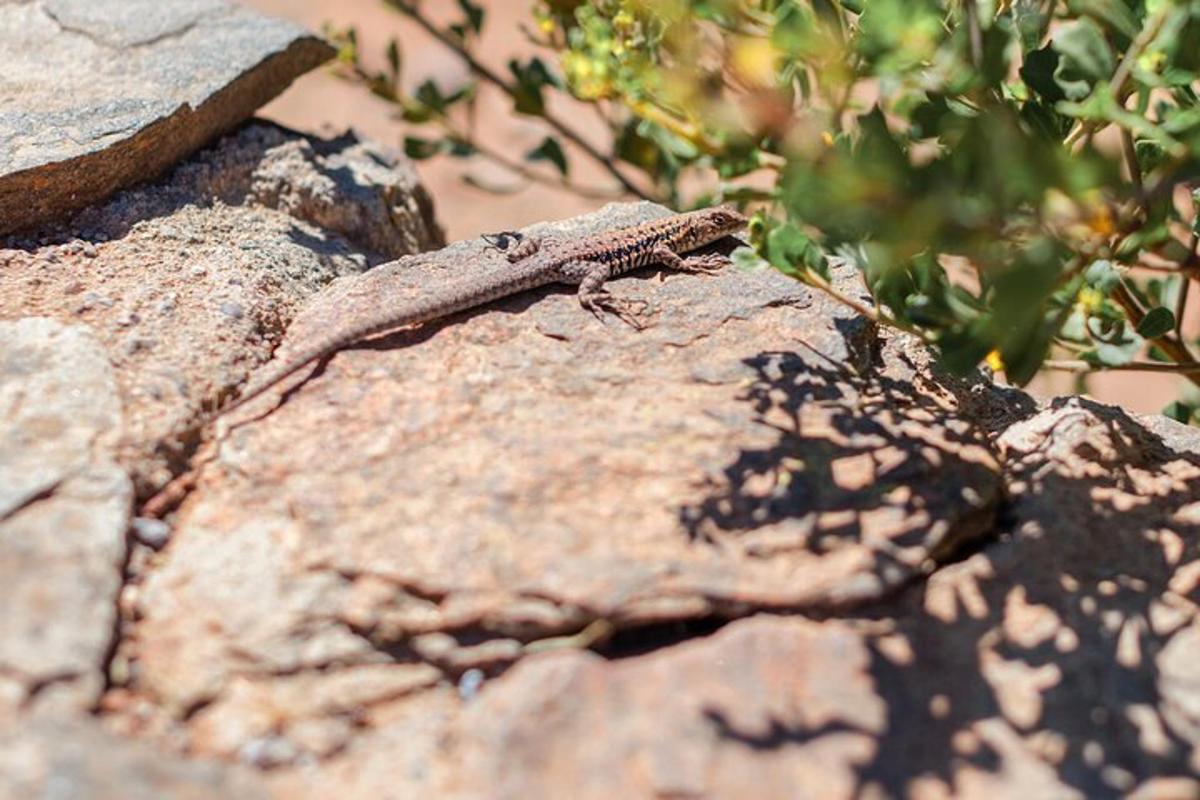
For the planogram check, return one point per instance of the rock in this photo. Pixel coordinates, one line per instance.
(1051, 663)
(785, 707)
(64, 510)
(79, 760)
(195, 277)
(457, 494)
(102, 94)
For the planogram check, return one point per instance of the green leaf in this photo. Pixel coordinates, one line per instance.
(394, 60)
(792, 252)
(1179, 411)
(531, 78)
(1157, 322)
(1084, 58)
(474, 15)
(1113, 14)
(420, 149)
(1102, 276)
(746, 258)
(549, 150)
(1038, 73)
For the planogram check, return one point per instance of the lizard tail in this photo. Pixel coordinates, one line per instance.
(454, 298)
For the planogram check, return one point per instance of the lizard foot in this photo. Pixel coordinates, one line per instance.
(635, 313)
(707, 264)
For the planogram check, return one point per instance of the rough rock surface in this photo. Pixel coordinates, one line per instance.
(48, 758)
(189, 282)
(134, 86)
(761, 546)
(64, 510)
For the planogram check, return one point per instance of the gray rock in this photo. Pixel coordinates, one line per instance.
(64, 510)
(185, 324)
(96, 95)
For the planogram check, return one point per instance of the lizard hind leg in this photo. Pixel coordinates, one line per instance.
(526, 247)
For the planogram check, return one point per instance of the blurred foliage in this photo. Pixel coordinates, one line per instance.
(1011, 177)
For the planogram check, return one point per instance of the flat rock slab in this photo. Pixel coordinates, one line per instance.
(1058, 661)
(64, 511)
(189, 282)
(768, 707)
(456, 495)
(96, 95)
(80, 760)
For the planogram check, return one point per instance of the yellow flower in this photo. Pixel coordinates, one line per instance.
(754, 60)
(994, 361)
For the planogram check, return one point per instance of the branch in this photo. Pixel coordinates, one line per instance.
(487, 74)
(1070, 365)
(1175, 349)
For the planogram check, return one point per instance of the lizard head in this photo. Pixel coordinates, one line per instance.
(718, 222)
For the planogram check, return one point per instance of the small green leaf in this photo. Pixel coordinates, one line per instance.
(549, 150)
(793, 253)
(1084, 58)
(394, 60)
(1102, 276)
(474, 14)
(420, 149)
(746, 258)
(1179, 411)
(1157, 322)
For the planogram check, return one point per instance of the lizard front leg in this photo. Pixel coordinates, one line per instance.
(705, 264)
(529, 245)
(591, 277)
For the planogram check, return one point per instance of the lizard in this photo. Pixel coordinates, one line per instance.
(533, 262)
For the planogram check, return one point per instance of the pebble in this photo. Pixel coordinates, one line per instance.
(232, 310)
(89, 250)
(470, 683)
(151, 532)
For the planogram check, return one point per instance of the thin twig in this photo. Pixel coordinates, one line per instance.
(1175, 349)
(559, 181)
(487, 74)
(1071, 365)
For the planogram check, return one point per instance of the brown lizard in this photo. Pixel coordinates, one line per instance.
(533, 262)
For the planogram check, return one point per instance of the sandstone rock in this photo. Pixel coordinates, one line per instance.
(190, 281)
(79, 760)
(455, 495)
(767, 707)
(97, 95)
(64, 510)
(1052, 663)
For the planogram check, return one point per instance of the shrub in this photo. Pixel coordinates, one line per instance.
(1012, 178)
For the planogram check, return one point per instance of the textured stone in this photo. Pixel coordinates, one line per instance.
(97, 95)
(768, 706)
(192, 279)
(64, 509)
(457, 494)
(79, 760)
(1060, 660)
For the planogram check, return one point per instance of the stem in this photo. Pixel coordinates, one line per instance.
(1070, 365)
(1175, 349)
(1125, 68)
(487, 74)
(560, 181)
(817, 282)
